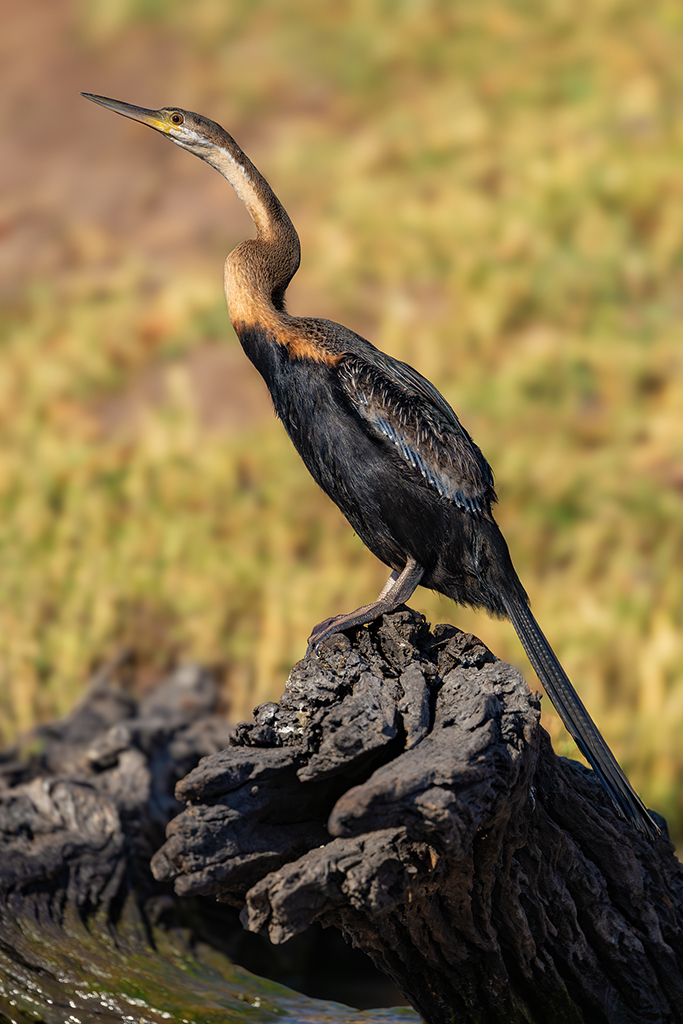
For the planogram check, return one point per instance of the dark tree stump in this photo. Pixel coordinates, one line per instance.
(403, 791)
(84, 803)
(83, 810)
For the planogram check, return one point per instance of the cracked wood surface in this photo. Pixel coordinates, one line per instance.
(403, 791)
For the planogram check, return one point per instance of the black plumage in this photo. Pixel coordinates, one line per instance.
(385, 445)
(381, 441)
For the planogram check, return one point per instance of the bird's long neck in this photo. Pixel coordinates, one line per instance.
(258, 271)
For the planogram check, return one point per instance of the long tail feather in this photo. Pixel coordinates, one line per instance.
(576, 719)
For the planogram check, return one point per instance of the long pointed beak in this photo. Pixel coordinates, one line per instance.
(153, 118)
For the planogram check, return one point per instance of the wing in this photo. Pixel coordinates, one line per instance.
(400, 406)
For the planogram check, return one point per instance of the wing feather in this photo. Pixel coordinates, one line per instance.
(402, 408)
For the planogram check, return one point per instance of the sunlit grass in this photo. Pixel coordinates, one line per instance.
(494, 193)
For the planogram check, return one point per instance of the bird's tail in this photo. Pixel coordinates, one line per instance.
(576, 719)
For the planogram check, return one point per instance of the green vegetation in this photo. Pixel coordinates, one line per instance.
(491, 191)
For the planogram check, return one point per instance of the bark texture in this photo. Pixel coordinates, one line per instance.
(84, 804)
(403, 791)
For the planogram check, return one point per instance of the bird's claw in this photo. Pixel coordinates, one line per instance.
(320, 633)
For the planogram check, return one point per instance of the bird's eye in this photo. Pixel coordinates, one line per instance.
(177, 118)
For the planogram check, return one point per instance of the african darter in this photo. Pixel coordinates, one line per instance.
(380, 440)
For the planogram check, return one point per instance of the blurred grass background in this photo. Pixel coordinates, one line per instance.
(491, 191)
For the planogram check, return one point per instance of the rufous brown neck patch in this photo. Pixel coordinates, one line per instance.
(248, 289)
(301, 347)
(291, 337)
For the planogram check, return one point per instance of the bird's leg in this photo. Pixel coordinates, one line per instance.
(398, 589)
(389, 585)
(322, 626)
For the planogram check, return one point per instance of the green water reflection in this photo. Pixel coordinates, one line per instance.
(78, 974)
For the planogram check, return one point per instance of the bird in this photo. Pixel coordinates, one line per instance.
(381, 442)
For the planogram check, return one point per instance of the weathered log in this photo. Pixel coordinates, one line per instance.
(84, 803)
(403, 791)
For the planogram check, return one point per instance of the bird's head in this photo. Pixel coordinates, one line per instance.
(211, 143)
(190, 131)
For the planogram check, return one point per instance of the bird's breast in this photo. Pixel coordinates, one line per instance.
(383, 498)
